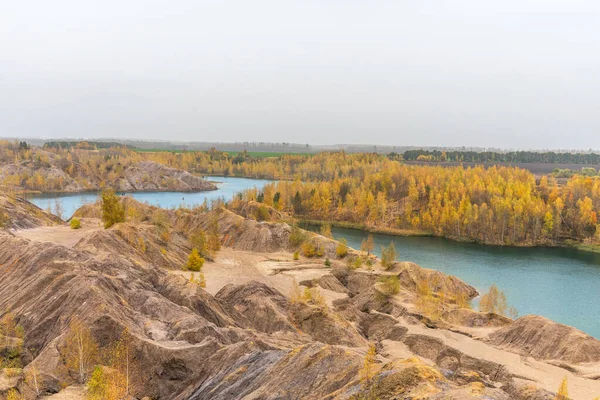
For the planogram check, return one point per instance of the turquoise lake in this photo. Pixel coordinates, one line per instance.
(228, 187)
(560, 284)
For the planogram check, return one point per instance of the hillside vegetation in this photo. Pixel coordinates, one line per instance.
(495, 205)
(113, 312)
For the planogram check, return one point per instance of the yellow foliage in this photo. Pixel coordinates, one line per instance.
(563, 390)
(195, 261)
(75, 223)
(367, 372)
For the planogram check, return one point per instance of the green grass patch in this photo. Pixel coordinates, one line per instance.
(266, 154)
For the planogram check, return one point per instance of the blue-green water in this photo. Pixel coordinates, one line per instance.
(228, 187)
(560, 284)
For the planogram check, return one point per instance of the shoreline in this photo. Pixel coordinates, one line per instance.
(569, 244)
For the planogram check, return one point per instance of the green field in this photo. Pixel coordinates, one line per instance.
(160, 151)
(265, 154)
(254, 154)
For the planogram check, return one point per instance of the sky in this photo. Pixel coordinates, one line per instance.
(507, 74)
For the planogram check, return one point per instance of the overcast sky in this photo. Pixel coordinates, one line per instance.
(512, 73)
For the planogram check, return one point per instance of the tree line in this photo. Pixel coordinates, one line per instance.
(548, 157)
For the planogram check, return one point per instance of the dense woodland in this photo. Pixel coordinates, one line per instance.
(549, 157)
(497, 205)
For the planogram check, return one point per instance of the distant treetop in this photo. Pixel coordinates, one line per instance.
(83, 145)
(549, 157)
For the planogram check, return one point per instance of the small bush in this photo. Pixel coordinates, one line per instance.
(355, 263)
(198, 240)
(341, 249)
(388, 256)
(296, 255)
(313, 296)
(200, 281)
(112, 209)
(97, 385)
(195, 261)
(297, 236)
(165, 235)
(494, 301)
(327, 262)
(308, 249)
(326, 230)
(75, 223)
(262, 213)
(390, 285)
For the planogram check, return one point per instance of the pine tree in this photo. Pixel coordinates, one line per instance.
(195, 261)
(112, 209)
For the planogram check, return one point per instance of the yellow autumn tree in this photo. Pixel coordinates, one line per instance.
(195, 261)
(80, 350)
(494, 301)
(112, 209)
(367, 372)
(563, 390)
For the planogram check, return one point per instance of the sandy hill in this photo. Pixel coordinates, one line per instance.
(246, 334)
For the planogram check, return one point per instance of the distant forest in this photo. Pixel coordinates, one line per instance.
(495, 157)
(83, 145)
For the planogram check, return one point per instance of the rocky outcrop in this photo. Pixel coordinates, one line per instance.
(258, 306)
(312, 371)
(143, 176)
(324, 326)
(54, 178)
(258, 211)
(410, 274)
(16, 213)
(473, 319)
(149, 176)
(454, 360)
(544, 339)
(250, 340)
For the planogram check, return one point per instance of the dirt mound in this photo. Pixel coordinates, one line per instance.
(328, 282)
(258, 211)
(16, 213)
(144, 176)
(46, 285)
(151, 176)
(325, 326)
(454, 360)
(313, 371)
(57, 180)
(410, 274)
(474, 319)
(141, 242)
(258, 305)
(544, 339)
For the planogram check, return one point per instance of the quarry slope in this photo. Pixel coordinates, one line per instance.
(243, 336)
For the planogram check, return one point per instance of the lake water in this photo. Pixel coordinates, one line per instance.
(560, 284)
(228, 187)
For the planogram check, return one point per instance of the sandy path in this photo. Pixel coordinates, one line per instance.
(237, 267)
(61, 234)
(544, 375)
